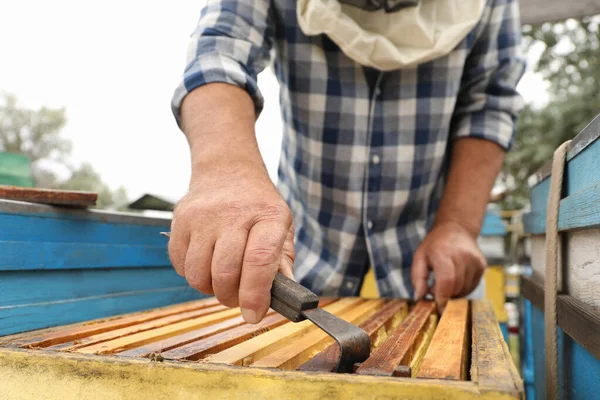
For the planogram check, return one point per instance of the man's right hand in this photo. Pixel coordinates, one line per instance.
(233, 231)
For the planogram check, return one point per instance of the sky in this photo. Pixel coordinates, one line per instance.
(114, 66)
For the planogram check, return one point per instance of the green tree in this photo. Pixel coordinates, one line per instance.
(85, 178)
(37, 135)
(570, 63)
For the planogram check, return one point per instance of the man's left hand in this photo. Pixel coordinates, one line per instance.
(452, 253)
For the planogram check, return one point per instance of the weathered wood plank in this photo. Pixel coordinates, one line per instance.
(256, 348)
(400, 347)
(81, 330)
(70, 198)
(152, 335)
(43, 315)
(66, 376)
(81, 227)
(577, 319)
(377, 327)
(137, 328)
(185, 338)
(300, 350)
(218, 341)
(224, 340)
(447, 355)
(491, 362)
(28, 256)
(22, 288)
(419, 353)
(577, 211)
(580, 262)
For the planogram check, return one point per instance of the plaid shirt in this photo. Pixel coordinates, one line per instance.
(364, 153)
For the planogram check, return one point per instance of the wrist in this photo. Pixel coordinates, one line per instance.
(469, 227)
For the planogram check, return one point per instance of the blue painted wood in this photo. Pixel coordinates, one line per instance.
(582, 177)
(31, 287)
(504, 330)
(492, 225)
(527, 363)
(43, 315)
(62, 229)
(579, 210)
(62, 266)
(583, 374)
(579, 371)
(15, 256)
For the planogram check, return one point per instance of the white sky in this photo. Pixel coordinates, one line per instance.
(114, 66)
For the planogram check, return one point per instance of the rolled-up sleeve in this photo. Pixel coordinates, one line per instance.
(488, 103)
(231, 44)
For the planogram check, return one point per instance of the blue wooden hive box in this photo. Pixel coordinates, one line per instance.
(579, 274)
(63, 266)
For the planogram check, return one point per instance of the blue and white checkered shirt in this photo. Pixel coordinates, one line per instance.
(364, 153)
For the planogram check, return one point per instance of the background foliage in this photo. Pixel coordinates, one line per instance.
(37, 135)
(570, 62)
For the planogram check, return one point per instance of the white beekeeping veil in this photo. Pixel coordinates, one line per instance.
(391, 40)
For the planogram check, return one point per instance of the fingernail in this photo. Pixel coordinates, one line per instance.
(250, 316)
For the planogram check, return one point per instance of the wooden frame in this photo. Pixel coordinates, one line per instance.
(43, 373)
(577, 319)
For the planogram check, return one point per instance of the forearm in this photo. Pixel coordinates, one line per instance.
(218, 121)
(474, 166)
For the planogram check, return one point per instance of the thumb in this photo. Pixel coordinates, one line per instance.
(419, 274)
(286, 266)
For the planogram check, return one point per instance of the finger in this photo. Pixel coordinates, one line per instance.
(261, 262)
(470, 281)
(226, 266)
(445, 276)
(286, 266)
(459, 281)
(198, 262)
(419, 274)
(178, 247)
(479, 267)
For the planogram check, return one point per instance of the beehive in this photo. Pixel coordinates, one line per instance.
(201, 349)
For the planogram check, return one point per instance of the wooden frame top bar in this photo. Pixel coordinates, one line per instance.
(19, 207)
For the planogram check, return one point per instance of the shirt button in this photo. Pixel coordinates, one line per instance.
(370, 224)
(375, 159)
(349, 285)
(378, 92)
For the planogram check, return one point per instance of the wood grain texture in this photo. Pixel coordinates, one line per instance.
(185, 338)
(580, 275)
(577, 211)
(378, 327)
(401, 345)
(419, 353)
(447, 355)
(491, 362)
(224, 340)
(579, 320)
(92, 328)
(137, 328)
(153, 335)
(24, 288)
(35, 256)
(300, 350)
(42, 315)
(66, 376)
(256, 348)
(71, 227)
(215, 338)
(71, 198)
